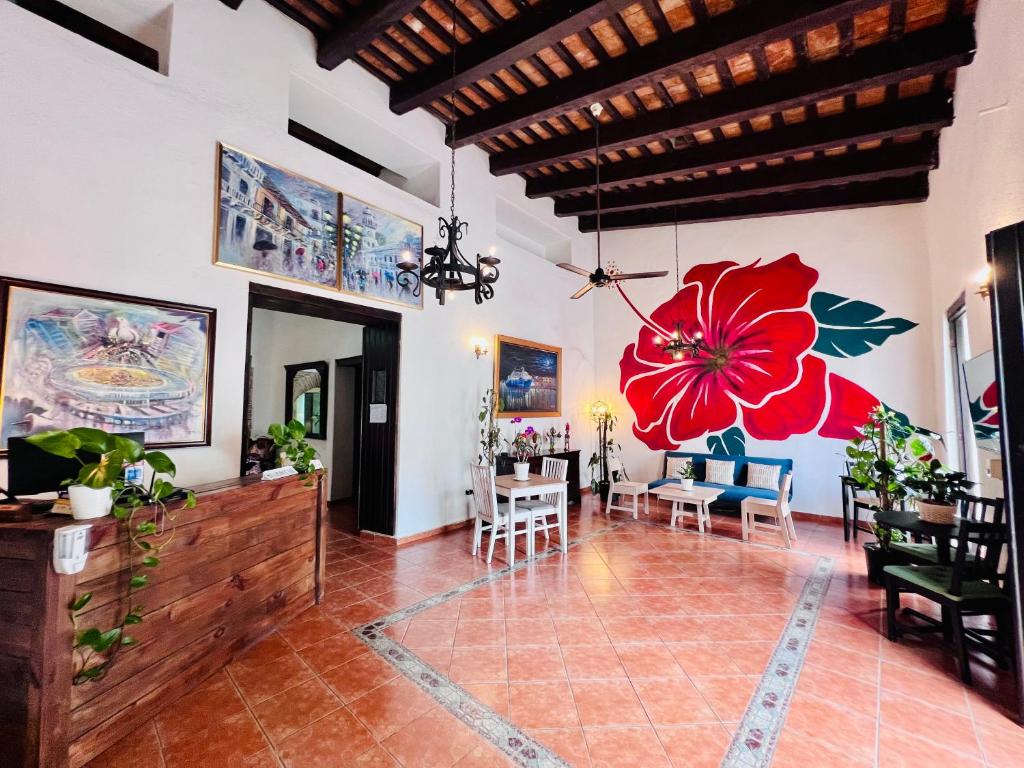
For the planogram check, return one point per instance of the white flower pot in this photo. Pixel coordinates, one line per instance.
(522, 469)
(89, 503)
(686, 483)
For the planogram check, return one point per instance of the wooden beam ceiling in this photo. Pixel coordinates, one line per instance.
(934, 51)
(909, 116)
(729, 34)
(890, 162)
(365, 23)
(534, 29)
(717, 109)
(863, 195)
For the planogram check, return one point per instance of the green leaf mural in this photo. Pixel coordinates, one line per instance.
(848, 328)
(732, 442)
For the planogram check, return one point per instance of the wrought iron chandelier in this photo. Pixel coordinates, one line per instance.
(681, 344)
(448, 270)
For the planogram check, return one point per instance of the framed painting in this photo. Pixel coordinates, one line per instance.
(527, 378)
(374, 241)
(275, 222)
(73, 357)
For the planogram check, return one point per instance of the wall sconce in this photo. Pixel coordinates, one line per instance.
(983, 280)
(479, 346)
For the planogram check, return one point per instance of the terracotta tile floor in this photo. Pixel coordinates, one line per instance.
(641, 648)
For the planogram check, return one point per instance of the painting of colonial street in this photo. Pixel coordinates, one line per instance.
(375, 241)
(71, 358)
(276, 222)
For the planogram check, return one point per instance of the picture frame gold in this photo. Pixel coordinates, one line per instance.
(513, 360)
(216, 259)
(342, 256)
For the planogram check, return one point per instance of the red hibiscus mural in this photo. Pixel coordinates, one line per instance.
(761, 325)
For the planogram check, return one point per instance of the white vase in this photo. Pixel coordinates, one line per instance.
(686, 483)
(522, 469)
(89, 503)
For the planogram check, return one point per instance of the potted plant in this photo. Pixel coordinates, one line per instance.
(490, 433)
(937, 488)
(686, 476)
(102, 457)
(878, 553)
(600, 482)
(290, 439)
(519, 448)
(885, 454)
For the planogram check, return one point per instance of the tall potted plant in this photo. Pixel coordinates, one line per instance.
(600, 480)
(490, 433)
(937, 489)
(879, 553)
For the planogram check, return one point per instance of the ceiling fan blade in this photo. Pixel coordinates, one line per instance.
(582, 291)
(638, 275)
(574, 268)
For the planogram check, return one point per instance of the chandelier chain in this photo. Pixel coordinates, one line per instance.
(597, 171)
(455, 45)
(675, 210)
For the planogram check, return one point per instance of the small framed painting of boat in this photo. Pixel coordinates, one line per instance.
(527, 378)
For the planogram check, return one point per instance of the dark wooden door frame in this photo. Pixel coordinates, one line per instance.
(1006, 257)
(357, 423)
(383, 510)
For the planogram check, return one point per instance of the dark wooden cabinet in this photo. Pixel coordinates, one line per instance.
(504, 464)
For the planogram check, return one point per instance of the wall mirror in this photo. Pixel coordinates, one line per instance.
(306, 395)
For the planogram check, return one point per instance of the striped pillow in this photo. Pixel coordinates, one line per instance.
(674, 463)
(763, 476)
(719, 472)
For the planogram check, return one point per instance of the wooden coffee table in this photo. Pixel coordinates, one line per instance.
(698, 497)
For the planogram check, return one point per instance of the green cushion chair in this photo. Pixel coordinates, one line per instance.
(969, 587)
(976, 508)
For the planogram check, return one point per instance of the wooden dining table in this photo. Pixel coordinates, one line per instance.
(535, 485)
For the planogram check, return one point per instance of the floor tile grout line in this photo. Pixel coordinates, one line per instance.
(270, 743)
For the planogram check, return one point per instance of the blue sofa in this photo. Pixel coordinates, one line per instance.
(735, 493)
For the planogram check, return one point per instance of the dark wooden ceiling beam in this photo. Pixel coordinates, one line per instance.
(930, 51)
(869, 165)
(922, 113)
(517, 39)
(365, 24)
(913, 189)
(721, 37)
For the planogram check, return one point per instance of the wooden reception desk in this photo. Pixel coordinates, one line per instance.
(246, 559)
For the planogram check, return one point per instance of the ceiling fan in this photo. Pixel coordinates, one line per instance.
(599, 278)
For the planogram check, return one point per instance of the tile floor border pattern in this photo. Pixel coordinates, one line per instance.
(523, 749)
(753, 743)
(756, 735)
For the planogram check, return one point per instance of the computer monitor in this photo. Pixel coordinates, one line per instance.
(31, 470)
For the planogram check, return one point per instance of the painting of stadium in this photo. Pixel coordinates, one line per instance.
(274, 221)
(74, 358)
(374, 241)
(527, 378)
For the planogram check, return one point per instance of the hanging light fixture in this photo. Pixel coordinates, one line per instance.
(681, 344)
(448, 271)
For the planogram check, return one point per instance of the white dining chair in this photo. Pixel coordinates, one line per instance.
(778, 511)
(546, 506)
(492, 516)
(625, 487)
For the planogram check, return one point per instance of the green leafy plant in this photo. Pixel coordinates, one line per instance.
(938, 484)
(290, 438)
(490, 432)
(687, 472)
(519, 447)
(886, 454)
(147, 522)
(887, 536)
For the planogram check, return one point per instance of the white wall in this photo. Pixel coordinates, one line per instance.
(876, 255)
(280, 339)
(979, 185)
(108, 182)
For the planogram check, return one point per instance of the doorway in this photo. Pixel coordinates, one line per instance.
(348, 392)
(372, 457)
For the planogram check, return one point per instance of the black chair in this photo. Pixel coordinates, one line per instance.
(976, 508)
(968, 587)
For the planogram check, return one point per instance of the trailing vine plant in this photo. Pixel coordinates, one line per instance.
(145, 519)
(290, 438)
